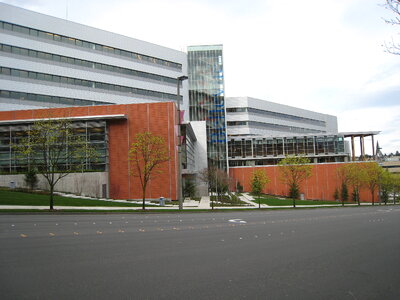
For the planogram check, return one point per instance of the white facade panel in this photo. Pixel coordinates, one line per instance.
(260, 117)
(152, 65)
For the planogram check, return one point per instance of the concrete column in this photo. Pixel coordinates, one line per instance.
(373, 148)
(362, 148)
(353, 155)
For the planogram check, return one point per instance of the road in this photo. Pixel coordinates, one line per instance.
(335, 253)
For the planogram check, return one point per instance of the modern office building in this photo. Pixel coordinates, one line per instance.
(207, 98)
(262, 132)
(249, 116)
(110, 129)
(51, 62)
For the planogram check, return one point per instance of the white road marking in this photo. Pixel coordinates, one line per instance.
(237, 221)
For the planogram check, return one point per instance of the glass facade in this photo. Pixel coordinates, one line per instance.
(207, 99)
(266, 151)
(94, 132)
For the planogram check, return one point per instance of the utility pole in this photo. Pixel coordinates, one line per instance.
(179, 179)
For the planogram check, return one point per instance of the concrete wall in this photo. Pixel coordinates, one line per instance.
(201, 162)
(87, 184)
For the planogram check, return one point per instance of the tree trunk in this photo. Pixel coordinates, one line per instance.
(51, 197)
(373, 198)
(144, 196)
(259, 201)
(294, 202)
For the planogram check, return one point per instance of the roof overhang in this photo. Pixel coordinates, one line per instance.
(359, 133)
(80, 118)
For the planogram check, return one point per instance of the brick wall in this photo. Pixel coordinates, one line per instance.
(159, 118)
(320, 186)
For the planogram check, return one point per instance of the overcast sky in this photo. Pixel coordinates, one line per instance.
(322, 55)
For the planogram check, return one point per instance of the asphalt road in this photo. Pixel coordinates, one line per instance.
(336, 253)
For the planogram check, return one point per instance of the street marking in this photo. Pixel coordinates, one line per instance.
(99, 232)
(76, 233)
(120, 230)
(23, 235)
(141, 230)
(237, 221)
(51, 234)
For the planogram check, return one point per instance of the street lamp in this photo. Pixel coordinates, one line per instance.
(179, 80)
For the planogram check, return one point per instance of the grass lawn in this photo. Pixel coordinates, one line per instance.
(273, 201)
(8, 197)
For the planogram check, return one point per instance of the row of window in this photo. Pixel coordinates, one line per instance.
(274, 161)
(276, 115)
(275, 127)
(84, 63)
(85, 83)
(88, 45)
(94, 132)
(285, 146)
(49, 99)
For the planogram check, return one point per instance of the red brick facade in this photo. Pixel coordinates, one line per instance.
(158, 118)
(320, 186)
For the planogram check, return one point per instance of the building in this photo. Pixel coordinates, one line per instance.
(249, 116)
(110, 129)
(207, 98)
(51, 62)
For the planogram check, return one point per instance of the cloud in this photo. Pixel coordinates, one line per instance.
(325, 56)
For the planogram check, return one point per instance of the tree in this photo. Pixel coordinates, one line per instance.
(189, 189)
(396, 187)
(53, 148)
(147, 152)
(387, 184)
(393, 5)
(372, 177)
(258, 181)
(31, 179)
(336, 194)
(294, 170)
(344, 192)
(218, 181)
(355, 176)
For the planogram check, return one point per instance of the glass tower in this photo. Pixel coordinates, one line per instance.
(207, 99)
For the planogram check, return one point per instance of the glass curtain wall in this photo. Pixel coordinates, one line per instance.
(207, 99)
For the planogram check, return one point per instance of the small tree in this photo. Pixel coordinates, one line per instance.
(344, 179)
(147, 152)
(344, 193)
(386, 186)
(356, 177)
(372, 177)
(217, 180)
(31, 179)
(258, 181)
(239, 187)
(294, 170)
(336, 194)
(54, 150)
(189, 189)
(396, 187)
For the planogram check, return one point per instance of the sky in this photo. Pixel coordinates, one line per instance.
(323, 55)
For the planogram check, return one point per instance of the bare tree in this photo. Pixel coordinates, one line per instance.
(53, 148)
(393, 47)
